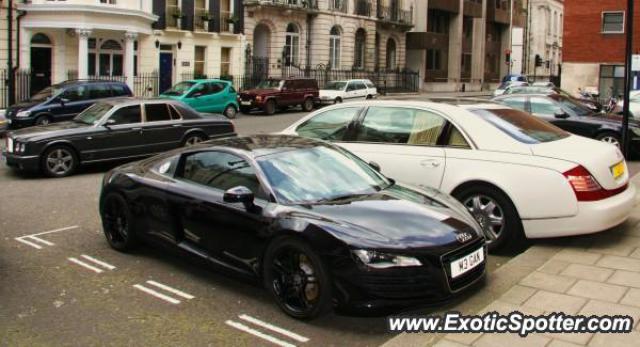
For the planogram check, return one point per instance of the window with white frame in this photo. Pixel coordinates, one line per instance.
(613, 22)
(106, 58)
(199, 60)
(291, 45)
(334, 48)
(225, 61)
(360, 49)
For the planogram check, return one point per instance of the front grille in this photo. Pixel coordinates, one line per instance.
(402, 284)
(469, 277)
(246, 97)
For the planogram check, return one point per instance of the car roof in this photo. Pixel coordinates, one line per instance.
(198, 80)
(128, 101)
(263, 144)
(87, 81)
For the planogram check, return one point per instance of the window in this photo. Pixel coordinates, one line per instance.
(98, 91)
(330, 125)
(360, 50)
(215, 87)
(516, 102)
(106, 59)
(391, 54)
(174, 113)
(199, 59)
(126, 115)
(334, 48)
(156, 112)
(433, 59)
(401, 126)
(221, 171)
(291, 45)
(613, 22)
(521, 126)
(359, 85)
(543, 106)
(438, 22)
(77, 93)
(119, 90)
(225, 61)
(456, 139)
(611, 80)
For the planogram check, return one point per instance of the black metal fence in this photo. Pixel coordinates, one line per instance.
(22, 80)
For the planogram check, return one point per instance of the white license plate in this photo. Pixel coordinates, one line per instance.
(246, 103)
(466, 263)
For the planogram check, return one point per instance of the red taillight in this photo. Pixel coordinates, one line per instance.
(586, 187)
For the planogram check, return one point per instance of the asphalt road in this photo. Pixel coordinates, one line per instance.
(67, 287)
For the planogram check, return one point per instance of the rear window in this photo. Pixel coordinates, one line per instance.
(521, 126)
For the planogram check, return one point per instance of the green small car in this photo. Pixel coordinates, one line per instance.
(210, 95)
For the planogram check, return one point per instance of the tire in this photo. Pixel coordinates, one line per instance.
(59, 161)
(508, 236)
(245, 110)
(369, 97)
(310, 300)
(43, 120)
(193, 139)
(230, 112)
(307, 106)
(338, 100)
(117, 223)
(609, 137)
(270, 107)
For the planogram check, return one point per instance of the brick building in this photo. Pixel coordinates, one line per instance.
(594, 44)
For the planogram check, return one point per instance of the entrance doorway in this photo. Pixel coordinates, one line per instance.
(40, 63)
(166, 70)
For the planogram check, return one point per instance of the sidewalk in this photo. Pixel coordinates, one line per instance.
(589, 275)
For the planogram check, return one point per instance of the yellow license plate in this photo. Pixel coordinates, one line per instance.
(617, 170)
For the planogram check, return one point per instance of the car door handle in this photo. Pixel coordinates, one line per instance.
(430, 163)
(177, 125)
(136, 129)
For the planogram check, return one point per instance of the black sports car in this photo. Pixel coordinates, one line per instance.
(112, 129)
(316, 224)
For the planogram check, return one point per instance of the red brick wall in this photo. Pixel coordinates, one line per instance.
(582, 40)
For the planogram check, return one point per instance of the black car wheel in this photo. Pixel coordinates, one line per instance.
(609, 137)
(338, 100)
(116, 223)
(307, 106)
(43, 120)
(230, 112)
(270, 107)
(497, 216)
(297, 279)
(193, 139)
(59, 161)
(245, 110)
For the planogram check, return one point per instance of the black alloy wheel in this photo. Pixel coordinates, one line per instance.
(116, 223)
(297, 279)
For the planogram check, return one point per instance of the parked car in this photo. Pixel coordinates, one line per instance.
(114, 129)
(572, 116)
(518, 175)
(274, 94)
(634, 104)
(315, 224)
(206, 95)
(544, 84)
(506, 85)
(63, 101)
(349, 90)
(590, 103)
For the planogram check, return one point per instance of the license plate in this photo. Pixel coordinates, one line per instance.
(246, 103)
(617, 170)
(462, 265)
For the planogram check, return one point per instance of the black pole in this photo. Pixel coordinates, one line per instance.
(628, 78)
(10, 73)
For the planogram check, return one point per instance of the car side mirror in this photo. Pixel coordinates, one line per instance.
(560, 114)
(375, 166)
(109, 123)
(239, 194)
(195, 95)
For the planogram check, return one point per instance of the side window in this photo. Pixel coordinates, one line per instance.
(221, 171)
(330, 125)
(77, 93)
(215, 87)
(200, 89)
(99, 91)
(360, 86)
(400, 125)
(456, 139)
(156, 112)
(174, 113)
(290, 84)
(543, 106)
(232, 90)
(119, 90)
(516, 102)
(369, 84)
(351, 86)
(126, 115)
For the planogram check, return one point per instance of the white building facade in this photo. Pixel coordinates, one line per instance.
(544, 37)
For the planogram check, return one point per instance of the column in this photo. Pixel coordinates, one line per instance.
(478, 49)
(455, 47)
(129, 52)
(83, 52)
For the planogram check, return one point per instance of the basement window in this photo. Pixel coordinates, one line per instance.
(613, 22)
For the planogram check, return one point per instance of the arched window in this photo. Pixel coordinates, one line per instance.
(111, 45)
(40, 39)
(360, 49)
(106, 58)
(391, 54)
(291, 45)
(334, 47)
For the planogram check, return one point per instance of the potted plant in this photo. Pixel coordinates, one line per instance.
(233, 20)
(206, 17)
(178, 15)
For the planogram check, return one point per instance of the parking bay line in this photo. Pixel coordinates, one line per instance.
(259, 334)
(29, 239)
(156, 294)
(29, 243)
(99, 262)
(279, 330)
(85, 265)
(172, 290)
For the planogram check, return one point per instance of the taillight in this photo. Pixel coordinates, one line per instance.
(586, 187)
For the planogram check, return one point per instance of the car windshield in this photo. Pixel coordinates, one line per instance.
(45, 94)
(319, 174)
(179, 88)
(520, 125)
(338, 85)
(575, 107)
(270, 84)
(93, 114)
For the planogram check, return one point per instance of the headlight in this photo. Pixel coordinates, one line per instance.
(23, 114)
(258, 98)
(379, 260)
(21, 147)
(9, 145)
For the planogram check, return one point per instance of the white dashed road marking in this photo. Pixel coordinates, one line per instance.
(162, 296)
(93, 267)
(36, 242)
(263, 335)
(85, 265)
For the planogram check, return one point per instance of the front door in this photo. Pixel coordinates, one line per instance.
(40, 68)
(166, 71)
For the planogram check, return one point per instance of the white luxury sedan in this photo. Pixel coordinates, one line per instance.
(336, 92)
(519, 176)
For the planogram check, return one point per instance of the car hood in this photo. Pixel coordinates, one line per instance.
(173, 97)
(45, 131)
(395, 218)
(259, 92)
(27, 104)
(597, 157)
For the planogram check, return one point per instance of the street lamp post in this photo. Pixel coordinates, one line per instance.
(628, 78)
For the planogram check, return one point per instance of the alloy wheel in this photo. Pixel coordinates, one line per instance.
(43, 121)
(116, 221)
(488, 213)
(230, 112)
(193, 140)
(610, 139)
(294, 280)
(59, 161)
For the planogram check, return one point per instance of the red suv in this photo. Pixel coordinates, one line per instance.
(274, 94)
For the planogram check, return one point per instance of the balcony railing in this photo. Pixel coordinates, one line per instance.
(362, 8)
(338, 5)
(201, 19)
(226, 19)
(174, 16)
(293, 4)
(395, 15)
